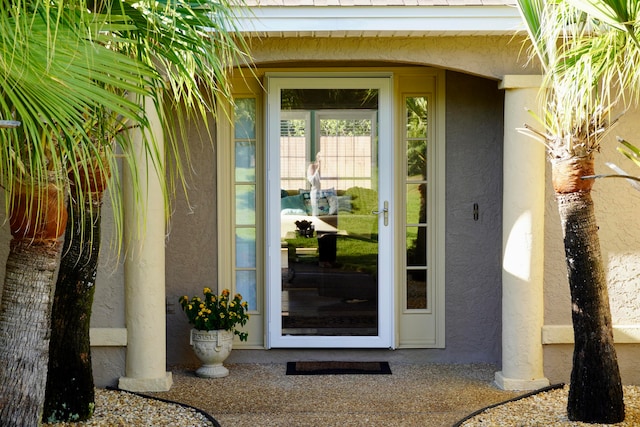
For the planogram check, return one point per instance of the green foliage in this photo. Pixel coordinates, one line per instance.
(630, 151)
(417, 122)
(363, 200)
(357, 254)
(77, 74)
(214, 312)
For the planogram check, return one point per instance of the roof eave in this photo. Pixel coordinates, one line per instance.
(379, 21)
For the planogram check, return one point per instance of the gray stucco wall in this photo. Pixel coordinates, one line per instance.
(474, 133)
(191, 257)
(108, 302)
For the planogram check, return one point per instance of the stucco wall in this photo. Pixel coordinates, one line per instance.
(474, 130)
(191, 243)
(474, 175)
(108, 303)
(486, 56)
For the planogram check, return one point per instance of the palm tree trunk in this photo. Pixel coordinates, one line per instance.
(70, 394)
(595, 394)
(24, 330)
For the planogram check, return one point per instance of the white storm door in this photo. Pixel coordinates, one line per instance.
(329, 211)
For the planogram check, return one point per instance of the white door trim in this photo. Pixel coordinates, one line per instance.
(386, 328)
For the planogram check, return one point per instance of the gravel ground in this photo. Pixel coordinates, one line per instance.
(261, 395)
(548, 409)
(121, 409)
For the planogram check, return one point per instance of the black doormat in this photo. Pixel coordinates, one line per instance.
(338, 368)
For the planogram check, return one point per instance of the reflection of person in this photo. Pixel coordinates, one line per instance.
(313, 176)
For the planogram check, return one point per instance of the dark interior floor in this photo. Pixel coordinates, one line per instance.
(327, 300)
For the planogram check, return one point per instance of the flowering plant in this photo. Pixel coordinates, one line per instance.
(216, 312)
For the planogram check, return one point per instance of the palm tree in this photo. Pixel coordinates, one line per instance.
(52, 74)
(589, 53)
(194, 45)
(53, 57)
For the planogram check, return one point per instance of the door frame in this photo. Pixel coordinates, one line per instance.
(274, 82)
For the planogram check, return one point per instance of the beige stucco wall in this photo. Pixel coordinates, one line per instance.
(486, 56)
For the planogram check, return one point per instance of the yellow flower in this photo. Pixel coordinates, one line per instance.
(207, 290)
(201, 305)
(189, 306)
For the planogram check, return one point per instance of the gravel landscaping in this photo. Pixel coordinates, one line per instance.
(548, 409)
(414, 395)
(121, 409)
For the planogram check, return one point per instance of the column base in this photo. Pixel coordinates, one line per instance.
(146, 384)
(519, 384)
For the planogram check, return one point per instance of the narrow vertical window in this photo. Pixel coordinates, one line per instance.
(416, 192)
(245, 199)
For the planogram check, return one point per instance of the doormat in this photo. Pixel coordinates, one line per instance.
(338, 368)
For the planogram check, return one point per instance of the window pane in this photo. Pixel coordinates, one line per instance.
(245, 161)
(246, 286)
(245, 118)
(293, 149)
(416, 204)
(245, 204)
(246, 247)
(417, 246)
(416, 289)
(416, 144)
(416, 117)
(417, 159)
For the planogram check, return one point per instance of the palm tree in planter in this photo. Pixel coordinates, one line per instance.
(194, 45)
(590, 54)
(52, 75)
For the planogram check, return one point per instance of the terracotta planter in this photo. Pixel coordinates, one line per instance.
(94, 178)
(212, 348)
(38, 213)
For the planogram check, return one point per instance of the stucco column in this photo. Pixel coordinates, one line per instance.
(144, 228)
(522, 240)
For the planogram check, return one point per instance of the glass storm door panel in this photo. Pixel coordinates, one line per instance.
(329, 227)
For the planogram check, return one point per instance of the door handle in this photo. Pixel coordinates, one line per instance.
(384, 211)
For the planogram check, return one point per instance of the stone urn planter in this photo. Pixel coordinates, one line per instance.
(212, 348)
(215, 319)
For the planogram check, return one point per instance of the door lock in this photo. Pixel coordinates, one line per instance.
(384, 211)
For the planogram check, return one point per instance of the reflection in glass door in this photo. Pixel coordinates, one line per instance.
(333, 217)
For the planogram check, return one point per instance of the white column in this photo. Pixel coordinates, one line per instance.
(144, 275)
(523, 209)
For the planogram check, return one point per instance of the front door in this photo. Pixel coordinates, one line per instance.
(329, 204)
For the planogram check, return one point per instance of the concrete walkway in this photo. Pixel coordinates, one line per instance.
(261, 394)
